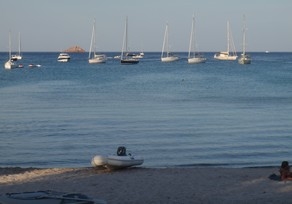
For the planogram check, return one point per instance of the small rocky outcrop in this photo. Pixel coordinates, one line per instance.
(74, 49)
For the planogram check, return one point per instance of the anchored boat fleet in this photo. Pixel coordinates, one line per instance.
(127, 57)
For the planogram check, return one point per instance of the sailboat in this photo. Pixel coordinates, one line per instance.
(94, 58)
(126, 58)
(244, 58)
(227, 55)
(9, 64)
(193, 57)
(18, 55)
(167, 56)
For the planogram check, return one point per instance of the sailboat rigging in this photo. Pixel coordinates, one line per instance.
(227, 55)
(17, 56)
(193, 57)
(94, 58)
(166, 55)
(10, 63)
(244, 58)
(126, 58)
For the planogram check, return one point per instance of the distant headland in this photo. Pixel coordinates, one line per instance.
(74, 49)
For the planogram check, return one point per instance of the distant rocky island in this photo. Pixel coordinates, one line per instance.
(74, 49)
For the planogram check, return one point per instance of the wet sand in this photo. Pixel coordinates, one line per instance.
(154, 185)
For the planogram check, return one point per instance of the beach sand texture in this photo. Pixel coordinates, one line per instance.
(154, 185)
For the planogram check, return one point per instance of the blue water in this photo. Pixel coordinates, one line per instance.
(217, 113)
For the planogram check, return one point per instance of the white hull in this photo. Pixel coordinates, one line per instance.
(63, 60)
(169, 59)
(116, 162)
(138, 57)
(9, 65)
(196, 60)
(97, 59)
(98, 161)
(225, 56)
(94, 58)
(244, 60)
(123, 161)
(64, 57)
(166, 55)
(127, 59)
(230, 54)
(16, 57)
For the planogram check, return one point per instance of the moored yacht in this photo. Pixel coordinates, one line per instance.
(63, 57)
(17, 56)
(193, 57)
(94, 58)
(227, 55)
(244, 58)
(166, 55)
(125, 57)
(10, 63)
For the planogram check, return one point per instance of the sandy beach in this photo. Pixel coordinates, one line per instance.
(154, 185)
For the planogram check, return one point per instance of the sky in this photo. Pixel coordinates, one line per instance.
(55, 25)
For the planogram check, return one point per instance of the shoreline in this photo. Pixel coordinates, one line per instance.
(154, 185)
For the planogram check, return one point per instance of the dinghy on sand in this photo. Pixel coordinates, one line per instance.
(119, 161)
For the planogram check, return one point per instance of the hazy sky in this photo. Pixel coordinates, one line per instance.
(54, 25)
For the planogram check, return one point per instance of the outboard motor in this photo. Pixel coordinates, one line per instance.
(121, 151)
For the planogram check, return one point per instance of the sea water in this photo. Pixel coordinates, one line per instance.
(218, 113)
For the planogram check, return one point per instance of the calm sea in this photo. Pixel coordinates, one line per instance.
(173, 114)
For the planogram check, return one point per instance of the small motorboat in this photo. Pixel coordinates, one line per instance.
(47, 197)
(34, 65)
(64, 57)
(119, 161)
(20, 66)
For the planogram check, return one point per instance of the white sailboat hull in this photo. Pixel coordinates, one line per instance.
(94, 58)
(98, 59)
(244, 59)
(9, 65)
(166, 55)
(169, 59)
(230, 54)
(225, 56)
(16, 57)
(196, 60)
(126, 58)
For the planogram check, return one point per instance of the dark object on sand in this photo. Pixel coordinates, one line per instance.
(275, 177)
(47, 197)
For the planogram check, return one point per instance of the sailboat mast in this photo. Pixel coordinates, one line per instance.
(165, 41)
(92, 39)
(125, 40)
(244, 37)
(192, 46)
(9, 45)
(19, 45)
(127, 34)
(228, 37)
